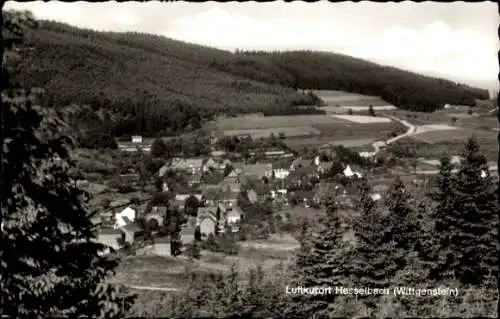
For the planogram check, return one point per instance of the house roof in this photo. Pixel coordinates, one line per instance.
(205, 217)
(284, 164)
(326, 165)
(134, 228)
(185, 163)
(109, 231)
(257, 169)
(229, 194)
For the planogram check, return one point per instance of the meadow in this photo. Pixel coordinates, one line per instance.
(171, 272)
(342, 98)
(312, 130)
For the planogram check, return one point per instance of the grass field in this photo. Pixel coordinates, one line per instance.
(480, 122)
(439, 136)
(298, 143)
(360, 119)
(288, 131)
(347, 98)
(272, 122)
(163, 271)
(488, 144)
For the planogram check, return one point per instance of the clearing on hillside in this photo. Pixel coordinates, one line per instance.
(347, 98)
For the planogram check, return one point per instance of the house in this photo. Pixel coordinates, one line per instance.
(137, 139)
(233, 176)
(233, 217)
(281, 169)
(258, 170)
(124, 217)
(163, 170)
(182, 197)
(229, 198)
(132, 232)
(298, 163)
(376, 197)
(208, 225)
(349, 173)
(274, 153)
(324, 167)
(234, 186)
(190, 165)
(252, 196)
(210, 164)
(111, 238)
(217, 153)
(194, 179)
(207, 220)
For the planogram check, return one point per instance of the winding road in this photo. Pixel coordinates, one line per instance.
(378, 145)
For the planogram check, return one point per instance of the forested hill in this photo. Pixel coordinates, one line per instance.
(330, 71)
(151, 84)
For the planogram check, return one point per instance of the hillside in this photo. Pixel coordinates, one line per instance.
(330, 71)
(139, 83)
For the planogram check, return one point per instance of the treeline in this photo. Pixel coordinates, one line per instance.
(148, 84)
(153, 85)
(330, 71)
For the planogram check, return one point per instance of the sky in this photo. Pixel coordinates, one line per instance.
(457, 41)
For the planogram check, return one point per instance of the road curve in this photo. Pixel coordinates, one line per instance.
(411, 130)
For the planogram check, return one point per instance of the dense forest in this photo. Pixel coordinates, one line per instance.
(128, 83)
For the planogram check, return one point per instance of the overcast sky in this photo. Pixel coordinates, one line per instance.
(454, 40)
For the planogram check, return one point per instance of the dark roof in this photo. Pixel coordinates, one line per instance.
(303, 194)
(109, 231)
(134, 228)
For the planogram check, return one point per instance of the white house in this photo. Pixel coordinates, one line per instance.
(349, 173)
(123, 217)
(376, 197)
(136, 139)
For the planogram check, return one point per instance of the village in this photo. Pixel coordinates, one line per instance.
(216, 187)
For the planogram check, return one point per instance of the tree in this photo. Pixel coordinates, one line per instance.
(172, 225)
(51, 265)
(321, 262)
(349, 112)
(371, 111)
(469, 250)
(375, 261)
(159, 148)
(401, 216)
(191, 205)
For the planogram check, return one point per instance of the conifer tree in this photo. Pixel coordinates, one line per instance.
(401, 217)
(374, 262)
(322, 264)
(158, 148)
(469, 250)
(51, 264)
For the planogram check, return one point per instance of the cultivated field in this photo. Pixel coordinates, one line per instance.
(298, 143)
(363, 119)
(311, 130)
(347, 98)
(480, 122)
(271, 122)
(288, 131)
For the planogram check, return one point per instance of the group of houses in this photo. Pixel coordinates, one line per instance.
(218, 209)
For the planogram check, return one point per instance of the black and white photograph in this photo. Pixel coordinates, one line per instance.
(250, 160)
